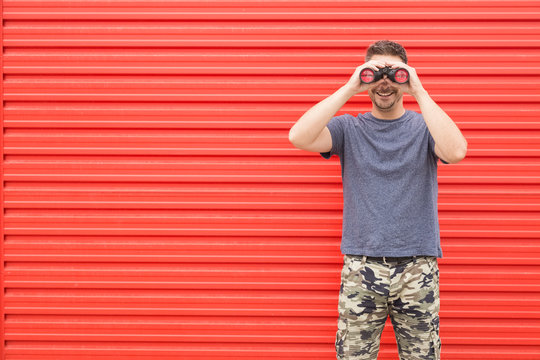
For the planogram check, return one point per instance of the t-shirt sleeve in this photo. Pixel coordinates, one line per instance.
(432, 148)
(336, 126)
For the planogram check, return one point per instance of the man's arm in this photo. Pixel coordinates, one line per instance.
(450, 143)
(312, 123)
(308, 128)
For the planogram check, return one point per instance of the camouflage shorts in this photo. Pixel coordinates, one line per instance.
(372, 290)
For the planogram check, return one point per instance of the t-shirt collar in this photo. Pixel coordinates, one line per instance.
(405, 116)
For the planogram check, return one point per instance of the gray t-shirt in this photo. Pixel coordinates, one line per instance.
(389, 172)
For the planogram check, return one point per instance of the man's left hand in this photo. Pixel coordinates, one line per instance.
(413, 86)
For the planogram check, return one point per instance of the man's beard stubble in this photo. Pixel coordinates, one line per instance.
(380, 106)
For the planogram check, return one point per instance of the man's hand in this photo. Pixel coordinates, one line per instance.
(354, 82)
(414, 86)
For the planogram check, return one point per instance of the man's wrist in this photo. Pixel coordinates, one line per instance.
(349, 90)
(421, 94)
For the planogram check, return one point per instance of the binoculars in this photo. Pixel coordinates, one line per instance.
(399, 75)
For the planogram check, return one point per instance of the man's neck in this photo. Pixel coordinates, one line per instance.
(390, 115)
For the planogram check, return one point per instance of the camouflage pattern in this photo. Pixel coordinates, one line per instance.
(407, 291)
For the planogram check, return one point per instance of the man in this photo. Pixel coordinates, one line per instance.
(390, 235)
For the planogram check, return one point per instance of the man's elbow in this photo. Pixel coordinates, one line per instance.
(292, 138)
(460, 155)
(295, 140)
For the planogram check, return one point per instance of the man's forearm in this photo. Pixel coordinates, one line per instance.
(312, 123)
(444, 131)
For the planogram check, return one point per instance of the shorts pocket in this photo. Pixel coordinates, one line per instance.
(434, 270)
(435, 339)
(341, 344)
(432, 263)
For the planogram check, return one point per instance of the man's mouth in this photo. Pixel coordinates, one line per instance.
(384, 93)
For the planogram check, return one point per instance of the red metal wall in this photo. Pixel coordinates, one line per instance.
(154, 208)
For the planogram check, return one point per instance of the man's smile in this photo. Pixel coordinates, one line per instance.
(384, 94)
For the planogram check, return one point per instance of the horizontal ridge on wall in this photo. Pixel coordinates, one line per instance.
(154, 207)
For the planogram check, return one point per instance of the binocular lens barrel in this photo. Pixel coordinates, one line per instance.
(400, 75)
(367, 76)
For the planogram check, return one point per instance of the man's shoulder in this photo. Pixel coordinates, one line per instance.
(416, 114)
(342, 120)
(345, 117)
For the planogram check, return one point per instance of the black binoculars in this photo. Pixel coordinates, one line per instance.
(399, 75)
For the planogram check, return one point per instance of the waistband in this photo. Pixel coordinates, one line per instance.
(387, 259)
(391, 258)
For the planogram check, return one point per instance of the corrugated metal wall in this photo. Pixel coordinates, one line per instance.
(154, 208)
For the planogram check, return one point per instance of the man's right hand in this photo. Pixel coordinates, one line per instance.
(354, 82)
(310, 132)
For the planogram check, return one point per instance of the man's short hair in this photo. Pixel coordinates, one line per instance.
(386, 47)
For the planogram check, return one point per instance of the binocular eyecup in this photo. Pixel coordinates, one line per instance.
(399, 75)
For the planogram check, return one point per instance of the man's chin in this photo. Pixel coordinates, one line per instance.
(386, 108)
